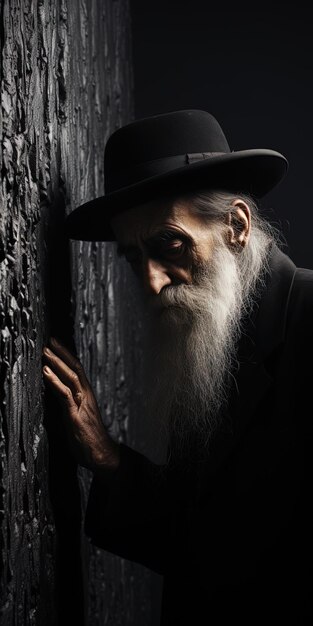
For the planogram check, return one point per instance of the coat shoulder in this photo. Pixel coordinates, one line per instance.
(301, 294)
(300, 303)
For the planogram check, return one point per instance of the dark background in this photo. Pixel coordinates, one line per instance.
(250, 65)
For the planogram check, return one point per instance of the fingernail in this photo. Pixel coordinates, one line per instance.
(47, 370)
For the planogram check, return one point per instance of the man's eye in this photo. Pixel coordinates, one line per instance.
(174, 248)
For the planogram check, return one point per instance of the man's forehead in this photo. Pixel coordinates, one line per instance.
(146, 220)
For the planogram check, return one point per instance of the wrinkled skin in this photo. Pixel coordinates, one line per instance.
(90, 443)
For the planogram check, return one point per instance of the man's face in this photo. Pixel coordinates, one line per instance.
(164, 242)
(189, 270)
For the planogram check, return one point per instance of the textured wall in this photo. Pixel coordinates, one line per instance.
(65, 85)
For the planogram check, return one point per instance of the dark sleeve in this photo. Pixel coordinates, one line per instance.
(131, 514)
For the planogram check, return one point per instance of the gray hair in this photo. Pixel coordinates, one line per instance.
(214, 205)
(193, 353)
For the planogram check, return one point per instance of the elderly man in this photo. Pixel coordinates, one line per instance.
(226, 518)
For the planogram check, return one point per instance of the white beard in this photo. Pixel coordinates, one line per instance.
(195, 332)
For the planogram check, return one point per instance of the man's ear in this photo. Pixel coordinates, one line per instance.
(238, 220)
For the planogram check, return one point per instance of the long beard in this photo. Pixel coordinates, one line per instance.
(195, 335)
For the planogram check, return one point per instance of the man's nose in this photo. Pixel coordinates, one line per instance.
(155, 276)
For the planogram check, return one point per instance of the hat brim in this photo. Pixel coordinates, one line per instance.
(247, 171)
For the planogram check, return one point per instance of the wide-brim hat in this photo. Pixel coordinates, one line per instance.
(171, 153)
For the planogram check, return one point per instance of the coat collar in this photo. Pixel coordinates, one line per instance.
(263, 333)
(269, 318)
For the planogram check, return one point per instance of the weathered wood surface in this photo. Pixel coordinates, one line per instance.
(66, 84)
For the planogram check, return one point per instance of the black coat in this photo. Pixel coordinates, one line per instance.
(233, 541)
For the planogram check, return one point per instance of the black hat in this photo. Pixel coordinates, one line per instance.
(170, 154)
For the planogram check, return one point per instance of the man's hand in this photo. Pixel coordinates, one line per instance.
(92, 446)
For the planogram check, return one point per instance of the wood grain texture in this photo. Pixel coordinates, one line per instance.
(66, 84)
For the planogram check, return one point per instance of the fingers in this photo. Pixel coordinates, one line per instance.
(66, 367)
(63, 373)
(59, 388)
(69, 359)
